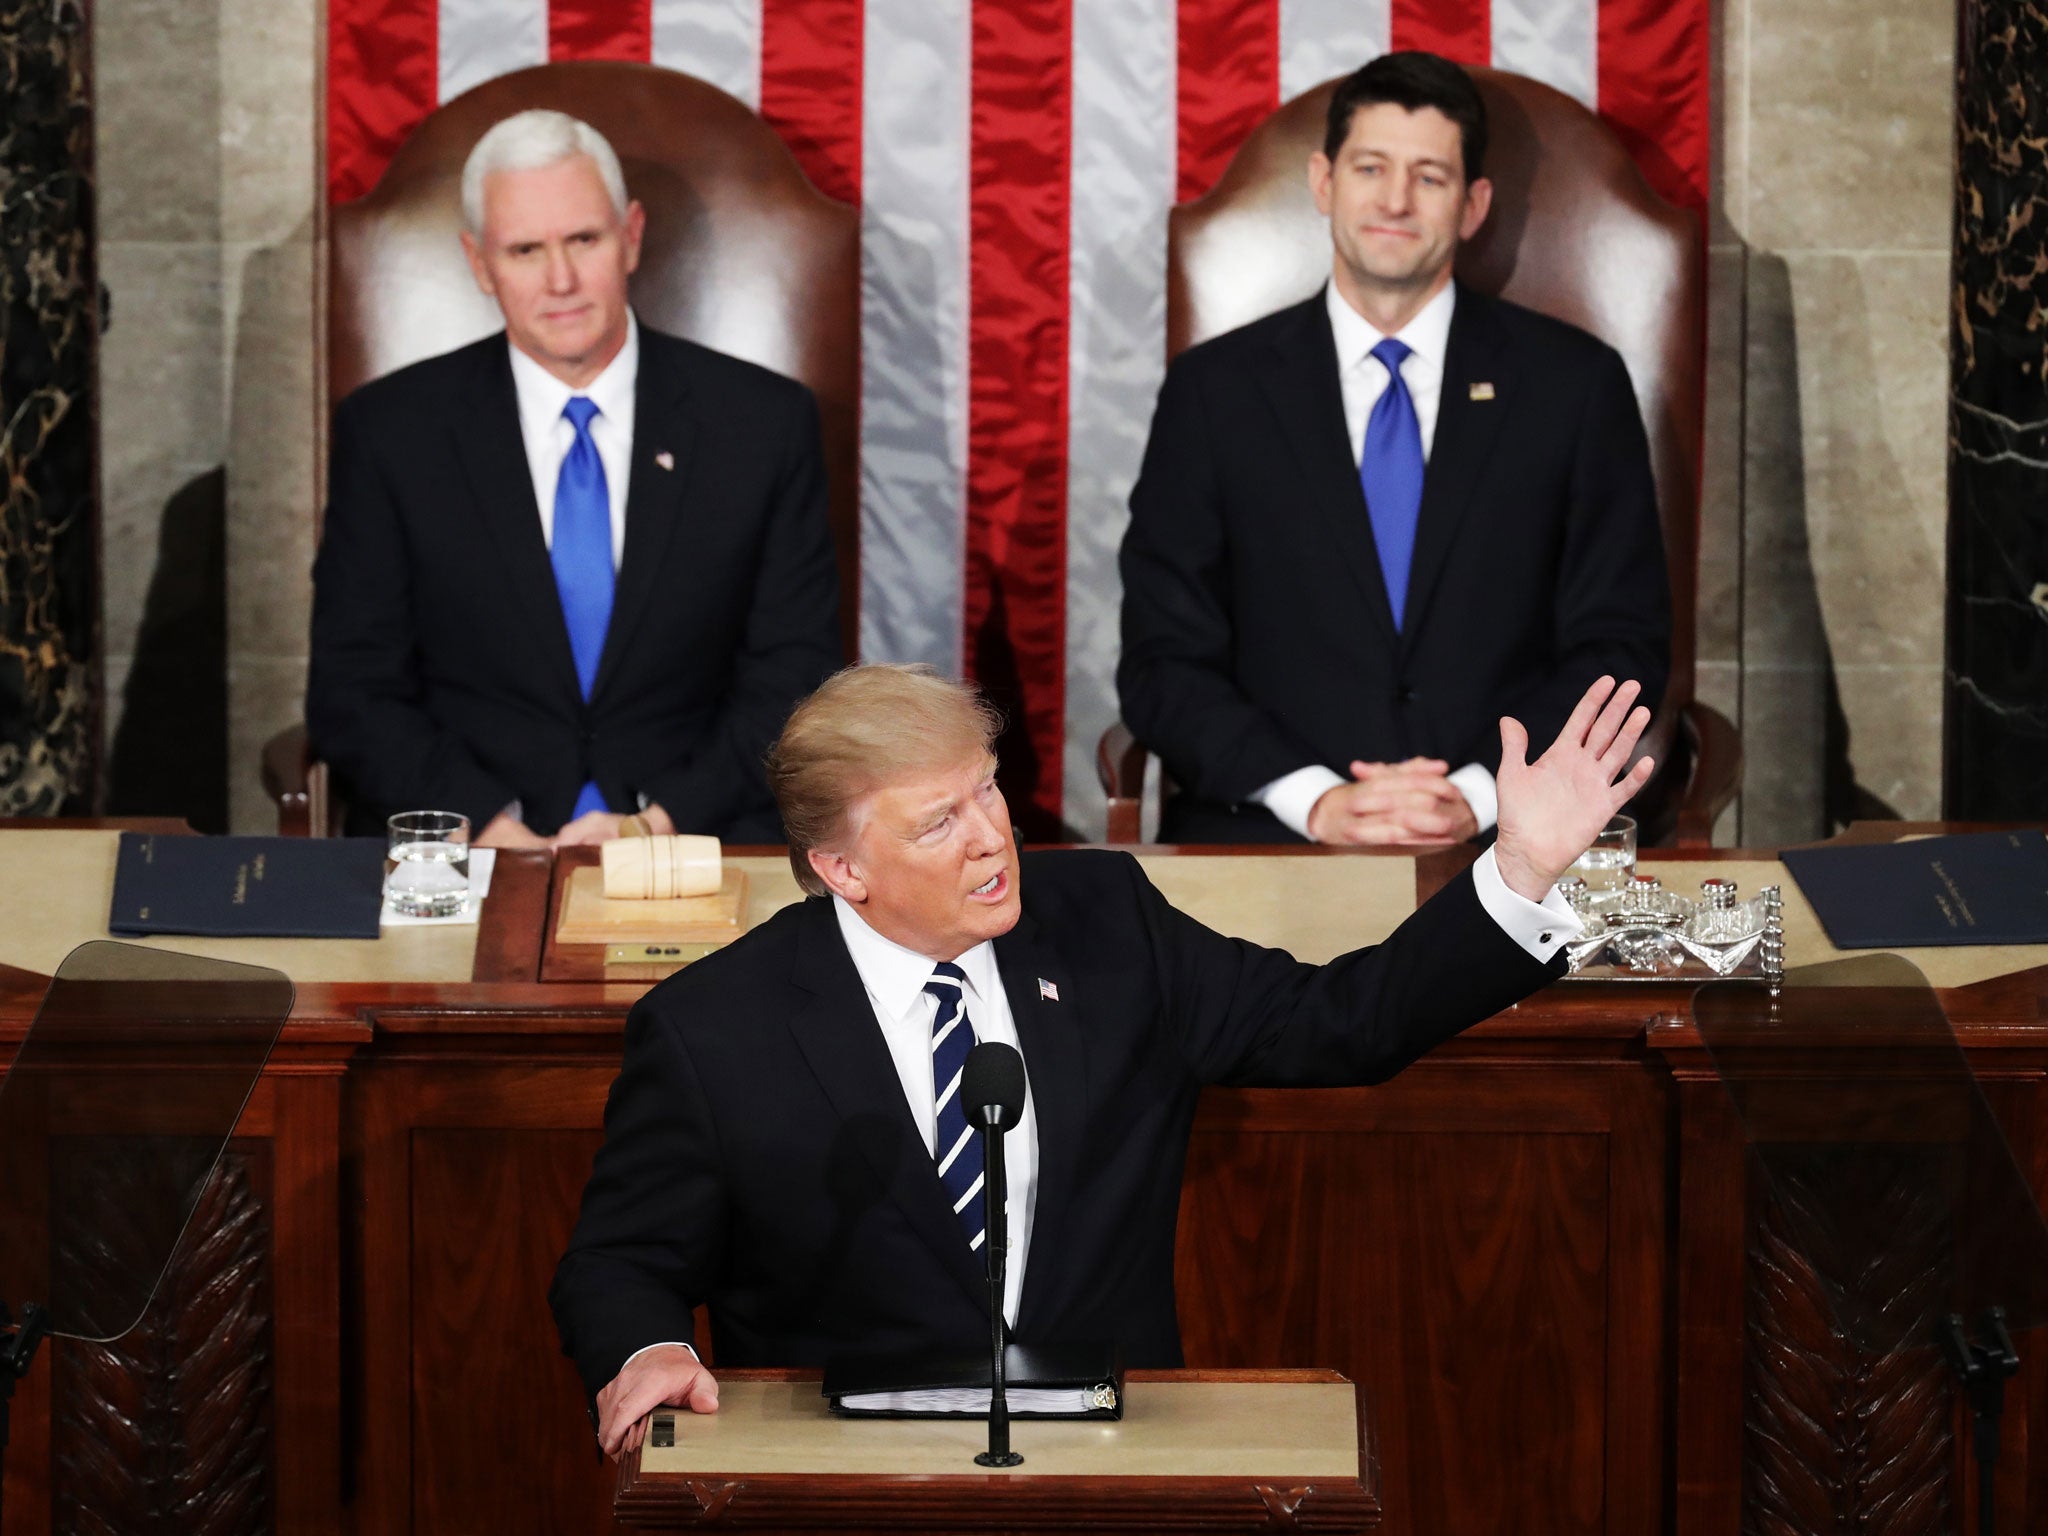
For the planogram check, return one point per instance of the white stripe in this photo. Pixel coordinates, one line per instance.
(479, 40)
(972, 1190)
(913, 419)
(1320, 39)
(940, 1105)
(975, 1246)
(715, 40)
(940, 1038)
(958, 1147)
(1124, 154)
(1555, 41)
(942, 979)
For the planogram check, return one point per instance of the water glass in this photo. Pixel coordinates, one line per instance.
(426, 864)
(1610, 863)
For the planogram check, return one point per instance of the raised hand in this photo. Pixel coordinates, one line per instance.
(1553, 808)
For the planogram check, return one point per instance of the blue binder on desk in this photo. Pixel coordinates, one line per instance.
(249, 887)
(1972, 888)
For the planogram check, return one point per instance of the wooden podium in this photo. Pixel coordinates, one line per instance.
(1215, 1451)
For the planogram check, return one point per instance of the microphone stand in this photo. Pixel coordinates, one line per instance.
(996, 1224)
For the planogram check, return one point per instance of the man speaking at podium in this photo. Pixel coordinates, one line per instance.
(782, 1141)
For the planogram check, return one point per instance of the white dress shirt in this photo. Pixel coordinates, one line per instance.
(1363, 379)
(548, 434)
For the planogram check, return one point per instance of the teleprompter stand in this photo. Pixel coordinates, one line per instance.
(112, 1116)
(1886, 1197)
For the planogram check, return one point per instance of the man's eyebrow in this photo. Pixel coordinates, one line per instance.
(932, 815)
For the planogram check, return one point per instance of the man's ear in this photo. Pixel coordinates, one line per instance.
(478, 270)
(635, 229)
(1478, 199)
(1319, 169)
(839, 873)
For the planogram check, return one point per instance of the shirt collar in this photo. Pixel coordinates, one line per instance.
(895, 976)
(541, 395)
(1428, 335)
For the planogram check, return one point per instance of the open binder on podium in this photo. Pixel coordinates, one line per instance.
(1894, 1218)
(112, 1115)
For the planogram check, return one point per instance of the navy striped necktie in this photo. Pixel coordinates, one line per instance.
(955, 1148)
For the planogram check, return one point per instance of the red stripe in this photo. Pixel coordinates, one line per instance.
(382, 78)
(1018, 205)
(1654, 70)
(810, 87)
(1229, 84)
(600, 29)
(1461, 30)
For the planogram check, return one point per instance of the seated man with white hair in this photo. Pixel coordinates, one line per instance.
(573, 576)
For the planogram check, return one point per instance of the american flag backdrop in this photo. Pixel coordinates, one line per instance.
(1014, 162)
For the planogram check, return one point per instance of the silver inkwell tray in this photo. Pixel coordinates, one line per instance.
(1640, 931)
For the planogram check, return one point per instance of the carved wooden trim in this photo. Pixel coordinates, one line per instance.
(1848, 1410)
(168, 1429)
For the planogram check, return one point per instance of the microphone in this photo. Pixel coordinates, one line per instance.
(992, 1095)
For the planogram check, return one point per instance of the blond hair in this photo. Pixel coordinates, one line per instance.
(867, 727)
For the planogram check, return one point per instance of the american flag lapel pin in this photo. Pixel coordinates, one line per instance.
(665, 459)
(1047, 992)
(1482, 391)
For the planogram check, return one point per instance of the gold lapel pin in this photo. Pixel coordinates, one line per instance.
(667, 460)
(1482, 391)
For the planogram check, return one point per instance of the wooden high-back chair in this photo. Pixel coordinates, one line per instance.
(741, 253)
(1576, 233)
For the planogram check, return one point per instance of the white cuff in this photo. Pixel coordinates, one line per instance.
(1542, 928)
(679, 1344)
(1476, 785)
(1293, 795)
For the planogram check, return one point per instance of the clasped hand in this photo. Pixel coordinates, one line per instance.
(1412, 803)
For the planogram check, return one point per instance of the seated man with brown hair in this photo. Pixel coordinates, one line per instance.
(573, 576)
(1370, 525)
(784, 1141)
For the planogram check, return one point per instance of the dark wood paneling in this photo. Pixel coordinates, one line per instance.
(500, 1438)
(1464, 1245)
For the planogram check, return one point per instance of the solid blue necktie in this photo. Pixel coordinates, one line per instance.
(955, 1148)
(582, 556)
(1390, 470)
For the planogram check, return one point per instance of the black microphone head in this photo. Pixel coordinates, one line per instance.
(992, 1086)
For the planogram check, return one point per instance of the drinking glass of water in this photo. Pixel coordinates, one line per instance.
(1610, 863)
(426, 864)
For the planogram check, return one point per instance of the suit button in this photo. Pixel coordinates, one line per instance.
(588, 738)
(1404, 694)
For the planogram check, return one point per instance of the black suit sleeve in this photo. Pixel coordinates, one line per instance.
(1174, 681)
(790, 646)
(651, 1236)
(1612, 607)
(364, 714)
(1255, 1017)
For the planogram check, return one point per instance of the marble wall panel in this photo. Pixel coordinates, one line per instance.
(269, 123)
(157, 119)
(1848, 128)
(161, 409)
(1873, 342)
(1719, 628)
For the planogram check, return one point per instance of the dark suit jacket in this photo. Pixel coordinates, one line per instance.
(441, 672)
(1257, 636)
(759, 1153)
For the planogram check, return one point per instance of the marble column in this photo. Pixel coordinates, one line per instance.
(48, 500)
(1996, 731)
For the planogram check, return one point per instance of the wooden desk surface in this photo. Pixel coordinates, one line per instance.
(1225, 1444)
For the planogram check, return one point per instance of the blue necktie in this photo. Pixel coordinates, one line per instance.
(1390, 470)
(955, 1148)
(582, 555)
